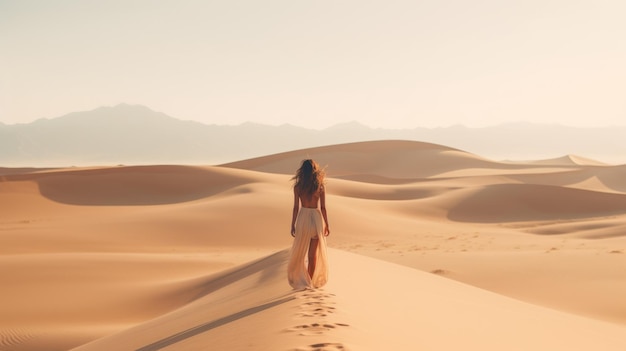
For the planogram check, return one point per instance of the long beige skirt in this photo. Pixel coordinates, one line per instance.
(309, 225)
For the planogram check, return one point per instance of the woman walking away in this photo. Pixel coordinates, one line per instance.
(308, 266)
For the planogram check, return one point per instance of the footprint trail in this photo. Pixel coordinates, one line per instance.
(316, 313)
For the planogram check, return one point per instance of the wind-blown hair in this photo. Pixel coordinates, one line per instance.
(309, 178)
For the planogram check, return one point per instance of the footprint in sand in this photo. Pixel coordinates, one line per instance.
(325, 346)
(317, 305)
(316, 309)
(315, 328)
(317, 295)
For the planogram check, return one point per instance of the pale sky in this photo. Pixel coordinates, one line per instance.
(390, 64)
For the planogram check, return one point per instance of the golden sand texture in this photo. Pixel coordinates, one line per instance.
(431, 248)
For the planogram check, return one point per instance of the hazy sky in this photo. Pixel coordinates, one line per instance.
(388, 63)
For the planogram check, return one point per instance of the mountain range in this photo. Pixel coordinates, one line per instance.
(134, 134)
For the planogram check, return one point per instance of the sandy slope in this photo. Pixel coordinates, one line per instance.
(145, 253)
(369, 305)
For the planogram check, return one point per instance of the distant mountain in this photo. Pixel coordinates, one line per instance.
(131, 134)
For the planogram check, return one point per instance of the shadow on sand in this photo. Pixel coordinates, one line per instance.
(186, 334)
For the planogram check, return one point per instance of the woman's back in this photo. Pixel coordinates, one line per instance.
(309, 201)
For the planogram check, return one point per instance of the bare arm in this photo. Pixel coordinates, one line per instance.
(323, 210)
(296, 209)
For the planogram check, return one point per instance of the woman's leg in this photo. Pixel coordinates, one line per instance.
(312, 256)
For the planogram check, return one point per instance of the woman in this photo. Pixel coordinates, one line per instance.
(308, 267)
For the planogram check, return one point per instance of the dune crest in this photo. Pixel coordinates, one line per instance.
(575, 160)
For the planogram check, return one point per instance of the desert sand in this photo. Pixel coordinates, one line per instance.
(432, 248)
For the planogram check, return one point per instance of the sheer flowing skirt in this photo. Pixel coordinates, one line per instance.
(309, 225)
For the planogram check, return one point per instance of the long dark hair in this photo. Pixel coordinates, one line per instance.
(309, 178)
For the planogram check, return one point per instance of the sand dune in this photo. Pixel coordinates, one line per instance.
(523, 202)
(379, 306)
(570, 160)
(184, 257)
(388, 159)
(129, 186)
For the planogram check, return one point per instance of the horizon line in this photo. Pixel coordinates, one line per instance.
(341, 123)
